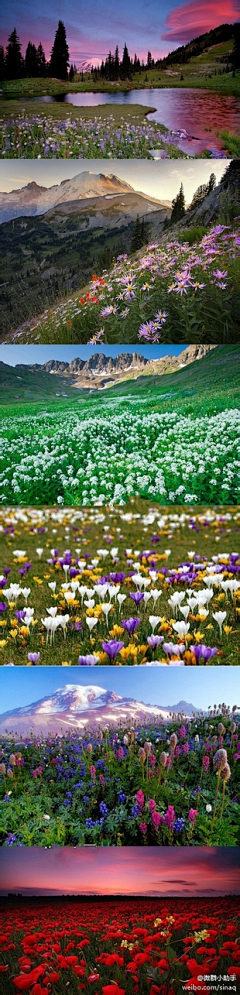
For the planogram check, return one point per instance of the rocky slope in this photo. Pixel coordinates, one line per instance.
(99, 369)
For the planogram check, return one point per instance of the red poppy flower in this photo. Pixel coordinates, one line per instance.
(113, 990)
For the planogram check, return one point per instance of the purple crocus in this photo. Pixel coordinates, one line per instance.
(154, 641)
(112, 648)
(136, 596)
(33, 658)
(2, 606)
(88, 661)
(130, 624)
(202, 652)
(117, 578)
(20, 615)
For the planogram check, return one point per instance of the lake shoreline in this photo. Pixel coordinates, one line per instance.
(37, 87)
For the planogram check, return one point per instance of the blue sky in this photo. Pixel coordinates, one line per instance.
(157, 179)
(13, 354)
(155, 686)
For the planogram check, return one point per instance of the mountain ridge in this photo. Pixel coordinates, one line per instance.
(34, 199)
(75, 706)
(101, 369)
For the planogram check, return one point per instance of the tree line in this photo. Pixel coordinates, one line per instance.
(14, 66)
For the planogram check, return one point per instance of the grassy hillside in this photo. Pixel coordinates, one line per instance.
(210, 69)
(210, 384)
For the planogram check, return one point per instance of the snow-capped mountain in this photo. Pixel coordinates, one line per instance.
(33, 199)
(76, 706)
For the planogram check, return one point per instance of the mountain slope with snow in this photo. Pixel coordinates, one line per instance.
(76, 706)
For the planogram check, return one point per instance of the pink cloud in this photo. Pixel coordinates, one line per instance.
(193, 19)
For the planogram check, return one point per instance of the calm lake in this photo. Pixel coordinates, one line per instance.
(200, 113)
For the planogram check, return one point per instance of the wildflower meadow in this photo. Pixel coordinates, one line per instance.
(169, 448)
(120, 947)
(174, 291)
(123, 586)
(111, 134)
(154, 784)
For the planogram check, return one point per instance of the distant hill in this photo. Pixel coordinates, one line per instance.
(195, 47)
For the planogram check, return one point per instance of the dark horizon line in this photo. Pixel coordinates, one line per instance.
(5, 896)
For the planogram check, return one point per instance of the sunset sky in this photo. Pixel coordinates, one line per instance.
(189, 871)
(94, 28)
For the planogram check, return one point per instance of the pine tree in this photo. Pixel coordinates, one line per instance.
(125, 64)
(71, 73)
(178, 206)
(59, 61)
(116, 63)
(2, 63)
(41, 61)
(211, 183)
(14, 60)
(31, 64)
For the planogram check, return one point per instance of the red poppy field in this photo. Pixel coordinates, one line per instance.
(120, 947)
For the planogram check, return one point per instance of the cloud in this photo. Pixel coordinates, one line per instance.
(192, 19)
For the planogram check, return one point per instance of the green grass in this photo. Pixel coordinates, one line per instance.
(209, 385)
(202, 71)
(231, 144)
(61, 111)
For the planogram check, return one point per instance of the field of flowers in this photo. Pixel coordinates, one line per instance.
(120, 947)
(95, 452)
(128, 586)
(111, 134)
(144, 785)
(171, 292)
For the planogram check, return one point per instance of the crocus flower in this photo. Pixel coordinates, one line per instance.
(112, 648)
(130, 624)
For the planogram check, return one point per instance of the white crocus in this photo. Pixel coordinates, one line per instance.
(91, 622)
(175, 600)
(121, 598)
(26, 591)
(220, 619)
(182, 628)
(154, 620)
